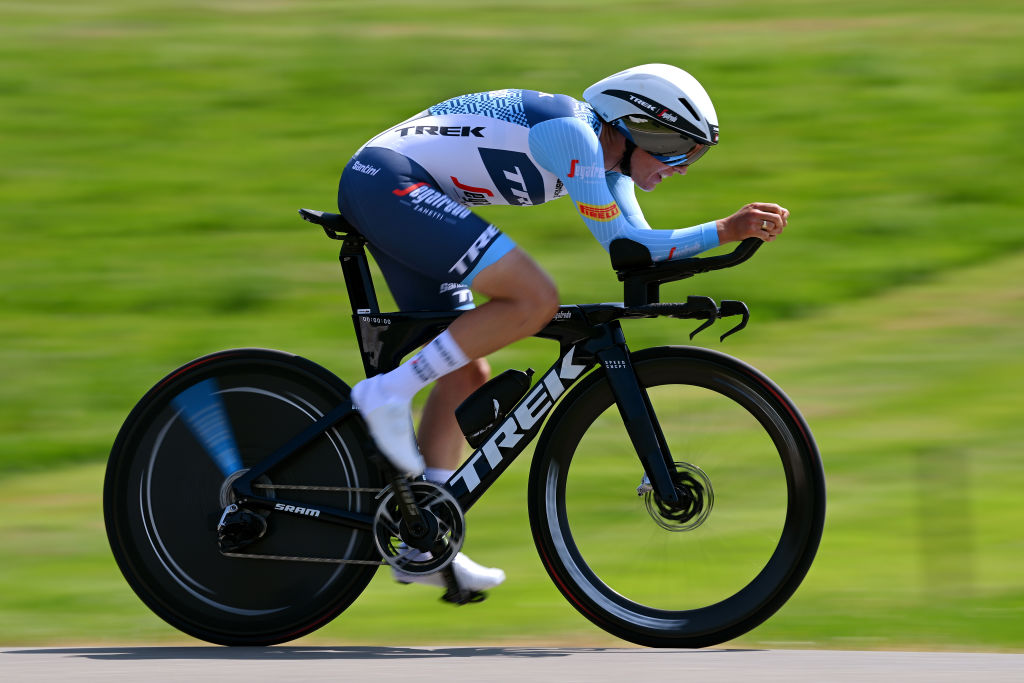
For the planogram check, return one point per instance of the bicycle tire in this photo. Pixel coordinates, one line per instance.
(612, 558)
(164, 493)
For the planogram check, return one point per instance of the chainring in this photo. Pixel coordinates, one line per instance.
(434, 500)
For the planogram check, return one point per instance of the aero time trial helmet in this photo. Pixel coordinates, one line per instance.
(660, 108)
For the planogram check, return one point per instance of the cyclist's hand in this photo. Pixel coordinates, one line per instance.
(762, 220)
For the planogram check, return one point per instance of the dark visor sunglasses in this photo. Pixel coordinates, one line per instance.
(663, 143)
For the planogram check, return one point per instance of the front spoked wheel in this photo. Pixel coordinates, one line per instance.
(169, 481)
(724, 557)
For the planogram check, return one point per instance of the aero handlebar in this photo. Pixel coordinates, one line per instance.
(642, 277)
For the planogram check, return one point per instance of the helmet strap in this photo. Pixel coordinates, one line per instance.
(626, 162)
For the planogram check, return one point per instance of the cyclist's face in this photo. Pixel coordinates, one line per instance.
(648, 171)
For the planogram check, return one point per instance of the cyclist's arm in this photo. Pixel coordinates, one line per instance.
(623, 190)
(568, 148)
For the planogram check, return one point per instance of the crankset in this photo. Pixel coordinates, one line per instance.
(695, 499)
(444, 522)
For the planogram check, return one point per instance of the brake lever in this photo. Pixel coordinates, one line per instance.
(701, 307)
(705, 325)
(706, 307)
(729, 308)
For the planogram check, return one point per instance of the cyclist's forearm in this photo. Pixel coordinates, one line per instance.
(674, 244)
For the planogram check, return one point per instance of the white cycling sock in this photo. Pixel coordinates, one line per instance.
(436, 359)
(438, 475)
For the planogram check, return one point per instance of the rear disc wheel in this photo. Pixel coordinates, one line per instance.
(169, 480)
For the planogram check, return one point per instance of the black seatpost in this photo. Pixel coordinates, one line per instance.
(354, 265)
(356, 269)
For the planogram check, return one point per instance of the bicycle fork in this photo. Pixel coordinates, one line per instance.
(637, 412)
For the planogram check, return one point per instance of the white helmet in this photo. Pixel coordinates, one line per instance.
(660, 108)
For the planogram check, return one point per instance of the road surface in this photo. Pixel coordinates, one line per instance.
(461, 663)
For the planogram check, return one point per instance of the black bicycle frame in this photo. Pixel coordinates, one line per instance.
(583, 345)
(587, 334)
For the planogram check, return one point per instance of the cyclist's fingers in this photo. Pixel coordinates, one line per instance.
(769, 207)
(771, 223)
(782, 213)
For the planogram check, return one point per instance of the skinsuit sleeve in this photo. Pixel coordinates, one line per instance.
(570, 149)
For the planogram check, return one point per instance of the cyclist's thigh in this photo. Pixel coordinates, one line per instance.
(414, 291)
(396, 205)
(516, 275)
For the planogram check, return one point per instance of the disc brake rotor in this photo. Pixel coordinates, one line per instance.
(696, 498)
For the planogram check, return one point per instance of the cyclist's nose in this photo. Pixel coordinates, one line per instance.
(674, 170)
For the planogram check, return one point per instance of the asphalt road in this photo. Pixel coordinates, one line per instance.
(531, 664)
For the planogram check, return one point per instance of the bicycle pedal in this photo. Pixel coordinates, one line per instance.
(463, 597)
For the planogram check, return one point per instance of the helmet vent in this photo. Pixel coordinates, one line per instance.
(689, 108)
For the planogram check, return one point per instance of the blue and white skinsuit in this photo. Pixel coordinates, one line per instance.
(409, 189)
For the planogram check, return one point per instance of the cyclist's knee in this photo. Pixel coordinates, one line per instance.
(532, 302)
(541, 300)
(519, 281)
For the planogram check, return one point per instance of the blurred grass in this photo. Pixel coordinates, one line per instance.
(153, 154)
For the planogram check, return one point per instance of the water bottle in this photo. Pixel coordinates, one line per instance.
(488, 405)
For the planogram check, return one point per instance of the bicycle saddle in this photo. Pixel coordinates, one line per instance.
(334, 224)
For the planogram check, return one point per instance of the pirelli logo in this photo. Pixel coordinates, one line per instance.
(599, 213)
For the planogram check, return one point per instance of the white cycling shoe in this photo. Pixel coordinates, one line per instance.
(470, 575)
(390, 426)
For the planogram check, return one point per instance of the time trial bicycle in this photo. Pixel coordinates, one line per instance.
(676, 494)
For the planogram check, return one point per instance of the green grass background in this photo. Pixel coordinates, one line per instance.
(153, 153)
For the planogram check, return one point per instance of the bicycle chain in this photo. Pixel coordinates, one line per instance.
(305, 558)
(298, 487)
(300, 558)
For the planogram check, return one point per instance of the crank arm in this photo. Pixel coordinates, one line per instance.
(419, 532)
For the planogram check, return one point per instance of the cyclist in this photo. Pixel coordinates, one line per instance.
(410, 190)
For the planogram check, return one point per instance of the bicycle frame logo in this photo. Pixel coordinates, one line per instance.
(309, 512)
(518, 429)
